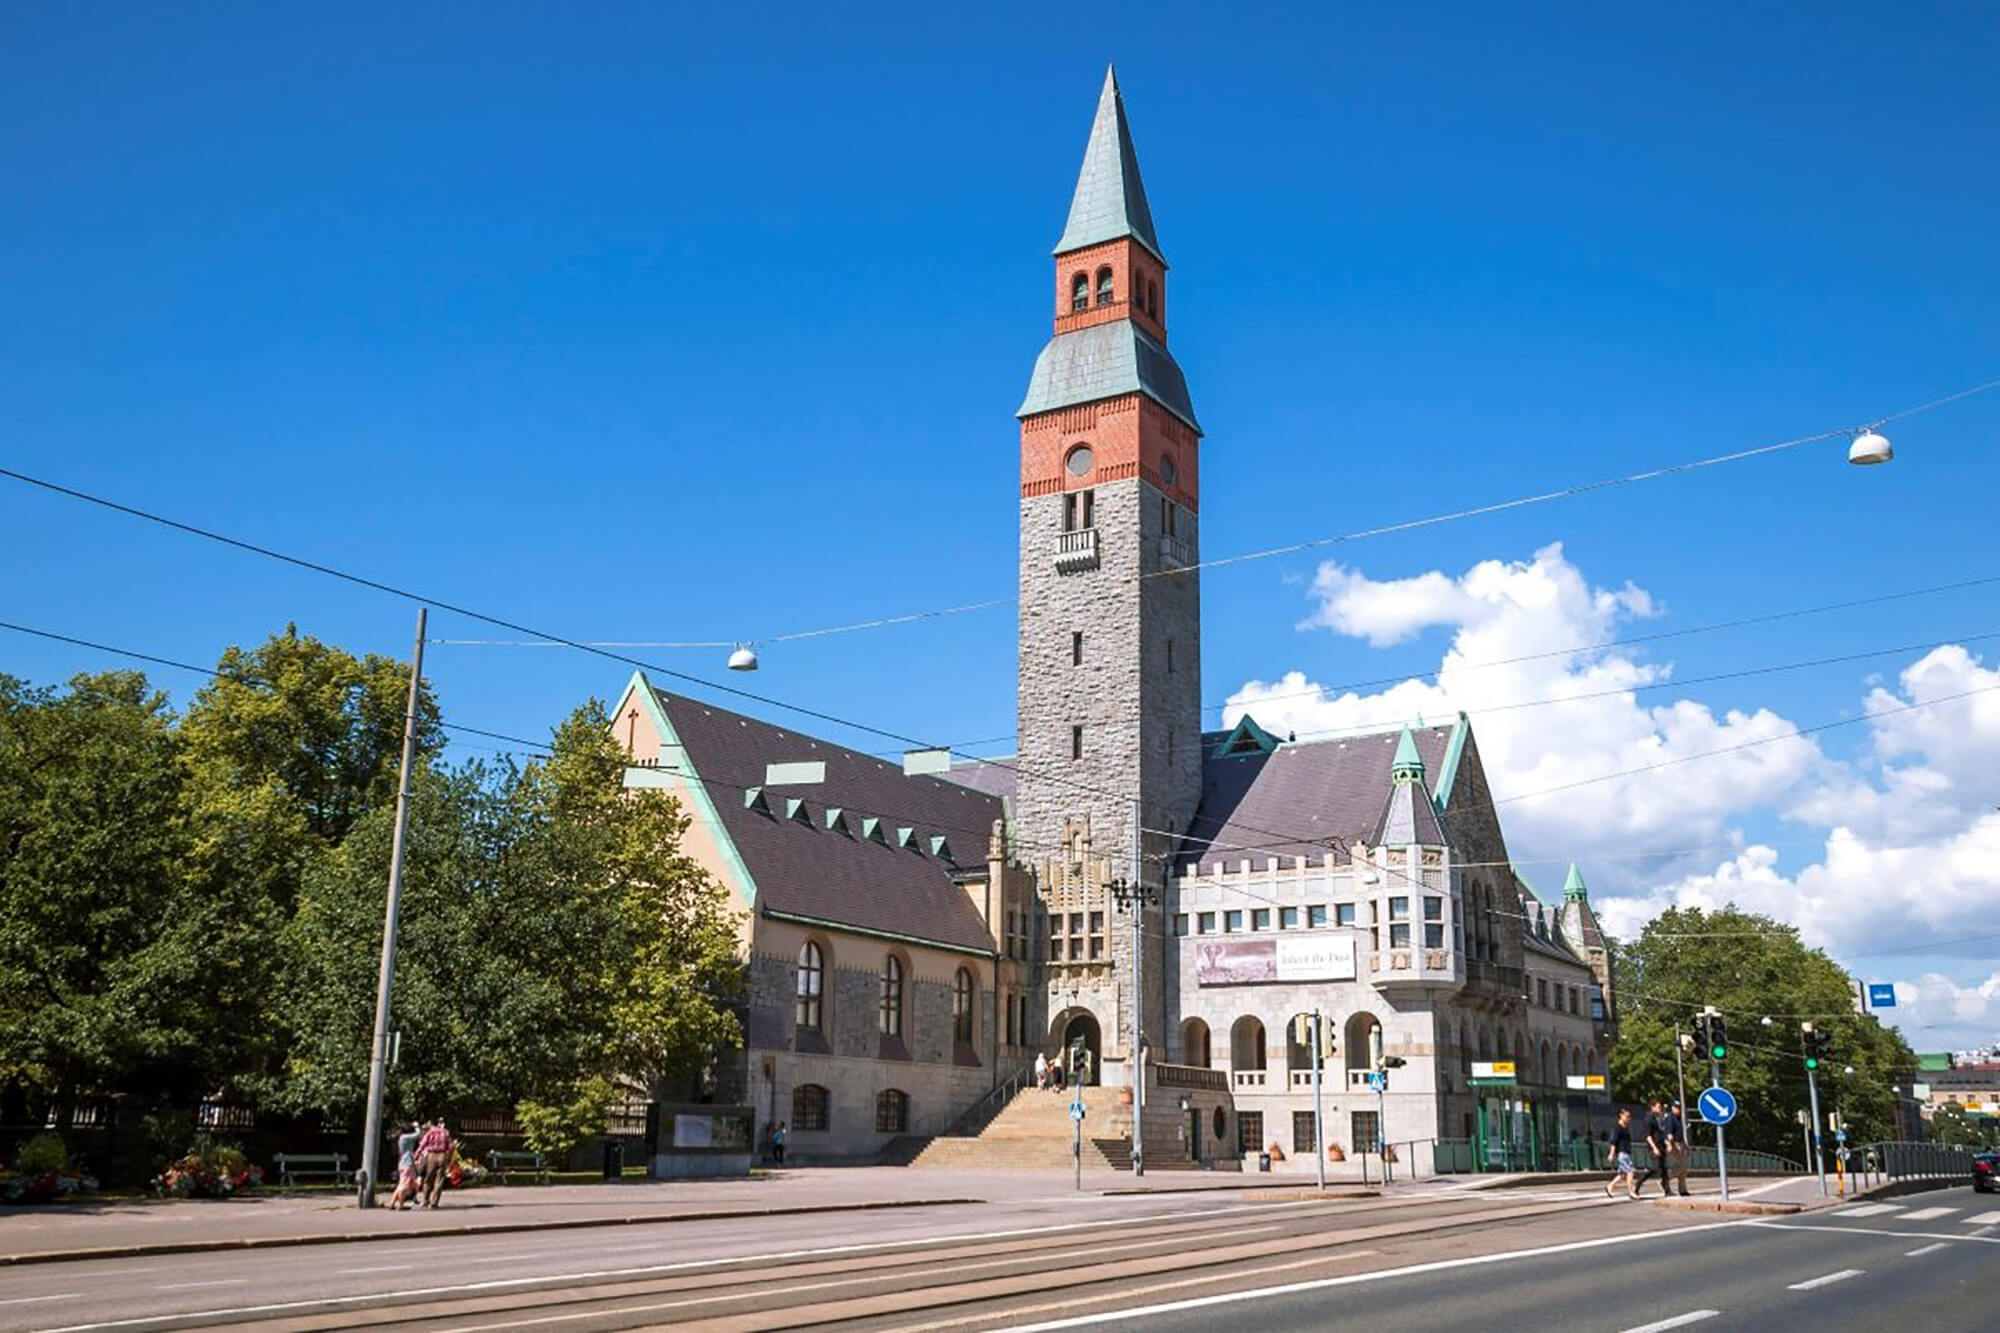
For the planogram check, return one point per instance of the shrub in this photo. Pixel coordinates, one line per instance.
(44, 1152)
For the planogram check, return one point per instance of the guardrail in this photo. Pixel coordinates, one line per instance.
(980, 1114)
(1899, 1159)
(1462, 1156)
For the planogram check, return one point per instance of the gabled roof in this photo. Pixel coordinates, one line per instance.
(799, 867)
(1106, 361)
(1409, 817)
(1314, 791)
(1110, 201)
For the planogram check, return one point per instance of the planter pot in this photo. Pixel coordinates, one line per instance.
(1124, 1096)
(1334, 1154)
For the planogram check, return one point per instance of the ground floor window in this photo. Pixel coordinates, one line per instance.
(809, 1107)
(1303, 1140)
(1365, 1131)
(1249, 1132)
(892, 1112)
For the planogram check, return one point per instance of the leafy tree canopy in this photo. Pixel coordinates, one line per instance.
(1751, 967)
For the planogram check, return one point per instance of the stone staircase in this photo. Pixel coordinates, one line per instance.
(1033, 1130)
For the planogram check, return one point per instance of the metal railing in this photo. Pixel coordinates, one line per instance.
(1193, 1077)
(1462, 1156)
(981, 1113)
(1885, 1162)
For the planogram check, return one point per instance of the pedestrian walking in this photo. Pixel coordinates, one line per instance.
(1677, 1148)
(1620, 1157)
(406, 1166)
(1656, 1146)
(778, 1143)
(1042, 1070)
(434, 1154)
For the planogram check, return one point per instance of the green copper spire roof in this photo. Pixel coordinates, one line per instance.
(1110, 201)
(1407, 763)
(1573, 886)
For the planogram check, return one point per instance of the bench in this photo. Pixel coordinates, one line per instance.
(501, 1163)
(332, 1165)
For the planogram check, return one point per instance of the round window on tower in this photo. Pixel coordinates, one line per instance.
(1167, 472)
(1080, 461)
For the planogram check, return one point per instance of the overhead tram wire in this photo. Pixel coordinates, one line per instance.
(1342, 687)
(1406, 525)
(821, 715)
(539, 747)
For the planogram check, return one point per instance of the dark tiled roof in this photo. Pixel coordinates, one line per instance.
(802, 868)
(1315, 790)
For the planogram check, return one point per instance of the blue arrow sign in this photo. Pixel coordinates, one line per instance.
(1076, 1110)
(1881, 995)
(1717, 1105)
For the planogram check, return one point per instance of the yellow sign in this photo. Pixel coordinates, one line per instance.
(1493, 1069)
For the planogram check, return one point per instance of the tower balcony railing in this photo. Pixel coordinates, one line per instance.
(1077, 550)
(1176, 552)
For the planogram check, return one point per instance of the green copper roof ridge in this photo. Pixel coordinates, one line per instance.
(1454, 752)
(1407, 759)
(1573, 885)
(1110, 198)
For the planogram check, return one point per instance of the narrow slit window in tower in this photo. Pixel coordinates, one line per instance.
(1076, 648)
(1076, 742)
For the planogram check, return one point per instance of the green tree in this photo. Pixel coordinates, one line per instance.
(554, 938)
(98, 992)
(324, 726)
(1953, 1124)
(1751, 967)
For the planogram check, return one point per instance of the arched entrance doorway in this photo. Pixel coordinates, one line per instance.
(1080, 1034)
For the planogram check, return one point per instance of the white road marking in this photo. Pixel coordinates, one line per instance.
(379, 1268)
(1691, 1317)
(1927, 1249)
(1825, 1279)
(1926, 1214)
(1867, 1209)
(32, 1300)
(219, 1282)
(1352, 1279)
(1984, 1219)
(501, 1284)
(501, 1258)
(1872, 1231)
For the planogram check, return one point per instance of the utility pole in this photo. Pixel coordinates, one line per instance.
(1134, 895)
(1711, 1026)
(1681, 1042)
(1319, 1074)
(371, 1143)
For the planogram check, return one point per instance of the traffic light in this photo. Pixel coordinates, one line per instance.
(1817, 1045)
(1718, 1038)
(1700, 1033)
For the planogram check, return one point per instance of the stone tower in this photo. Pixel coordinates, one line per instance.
(1110, 646)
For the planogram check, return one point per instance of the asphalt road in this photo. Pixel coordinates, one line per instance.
(1442, 1258)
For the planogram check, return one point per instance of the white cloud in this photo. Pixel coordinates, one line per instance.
(1909, 853)
(1936, 1013)
(1522, 631)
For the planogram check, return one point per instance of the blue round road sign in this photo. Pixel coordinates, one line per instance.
(1717, 1105)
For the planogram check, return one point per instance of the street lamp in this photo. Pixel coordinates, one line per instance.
(1869, 448)
(743, 659)
(1135, 895)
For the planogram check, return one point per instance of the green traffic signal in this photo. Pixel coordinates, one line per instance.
(1812, 1062)
(1718, 1052)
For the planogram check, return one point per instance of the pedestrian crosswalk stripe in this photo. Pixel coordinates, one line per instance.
(1868, 1210)
(1926, 1214)
(1983, 1219)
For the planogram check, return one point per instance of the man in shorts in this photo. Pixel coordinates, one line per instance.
(1620, 1158)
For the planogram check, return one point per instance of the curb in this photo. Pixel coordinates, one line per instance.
(1752, 1206)
(223, 1244)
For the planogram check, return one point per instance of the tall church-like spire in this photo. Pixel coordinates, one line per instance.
(1110, 201)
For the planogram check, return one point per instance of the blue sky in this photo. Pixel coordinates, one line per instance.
(663, 323)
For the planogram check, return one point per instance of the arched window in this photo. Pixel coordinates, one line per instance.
(1360, 1039)
(812, 981)
(1299, 1056)
(961, 1006)
(891, 1016)
(1104, 285)
(892, 1112)
(1246, 1044)
(1079, 293)
(1194, 1043)
(810, 1111)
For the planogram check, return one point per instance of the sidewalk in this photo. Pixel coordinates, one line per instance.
(124, 1227)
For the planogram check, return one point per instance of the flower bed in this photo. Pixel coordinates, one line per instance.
(209, 1171)
(43, 1173)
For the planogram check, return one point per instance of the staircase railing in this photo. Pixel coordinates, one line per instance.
(980, 1114)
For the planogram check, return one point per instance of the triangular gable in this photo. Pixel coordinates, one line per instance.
(639, 694)
(1246, 737)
